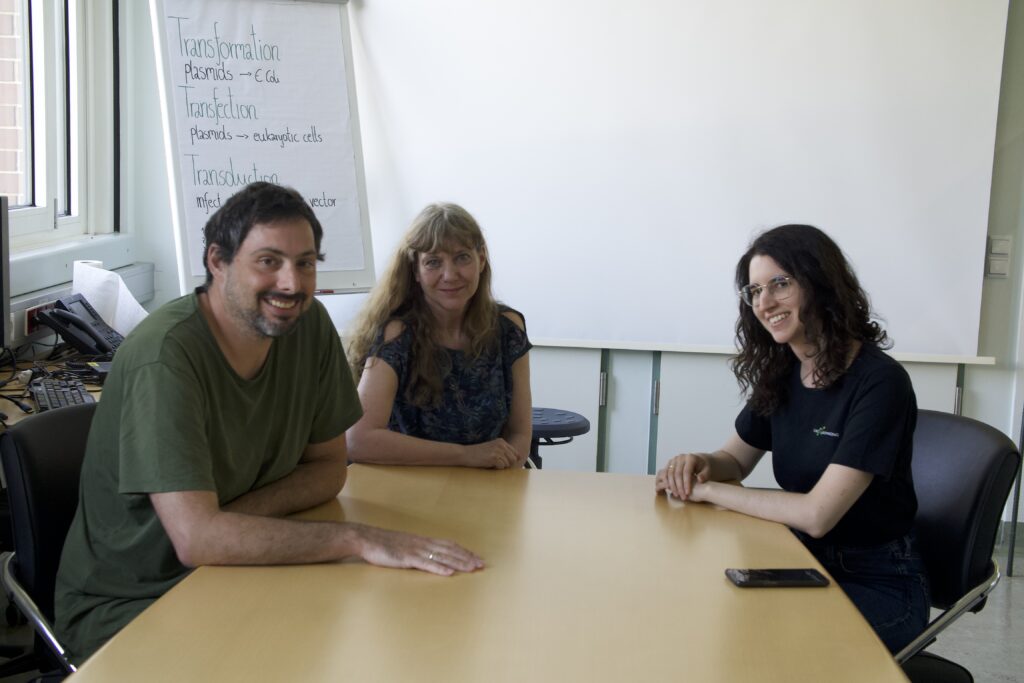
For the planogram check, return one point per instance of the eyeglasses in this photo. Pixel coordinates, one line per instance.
(780, 287)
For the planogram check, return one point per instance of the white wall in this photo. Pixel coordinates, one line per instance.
(996, 394)
(145, 202)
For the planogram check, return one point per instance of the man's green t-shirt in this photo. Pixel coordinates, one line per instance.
(175, 417)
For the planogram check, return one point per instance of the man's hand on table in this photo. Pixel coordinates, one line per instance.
(408, 551)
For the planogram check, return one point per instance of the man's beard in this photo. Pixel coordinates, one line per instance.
(254, 319)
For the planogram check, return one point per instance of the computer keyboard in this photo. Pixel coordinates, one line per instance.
(57, 393)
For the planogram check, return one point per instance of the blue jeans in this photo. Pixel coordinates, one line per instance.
(886, 582)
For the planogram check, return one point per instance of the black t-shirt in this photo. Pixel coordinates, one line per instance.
(864, 420)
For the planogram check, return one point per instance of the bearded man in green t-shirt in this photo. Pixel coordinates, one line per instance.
(225, 410)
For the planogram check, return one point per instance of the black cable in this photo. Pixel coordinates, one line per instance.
(12, 359)
(58, 352)
(14, 366)
(25, 408)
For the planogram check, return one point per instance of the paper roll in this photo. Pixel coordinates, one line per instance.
(108, 294)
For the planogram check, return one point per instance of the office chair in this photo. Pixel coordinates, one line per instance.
(550, 425)
(11, 614)
(42, 461)
(963, 470)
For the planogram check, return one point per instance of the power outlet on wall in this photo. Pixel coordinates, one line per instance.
(31, 323)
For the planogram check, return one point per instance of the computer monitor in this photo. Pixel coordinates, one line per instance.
(5, 275)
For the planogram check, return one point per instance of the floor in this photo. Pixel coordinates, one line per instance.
(990, 643)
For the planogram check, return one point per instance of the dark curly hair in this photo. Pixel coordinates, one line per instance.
(258, 202)
(835, 312)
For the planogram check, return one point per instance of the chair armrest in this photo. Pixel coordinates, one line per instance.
(31, 611)
(939, 623)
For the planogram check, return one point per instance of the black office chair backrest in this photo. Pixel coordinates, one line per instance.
(963, 470)
(42, 462)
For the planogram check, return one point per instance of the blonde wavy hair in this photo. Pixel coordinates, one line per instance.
(397, 296)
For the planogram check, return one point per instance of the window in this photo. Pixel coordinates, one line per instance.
(13, 102)
(56, 71)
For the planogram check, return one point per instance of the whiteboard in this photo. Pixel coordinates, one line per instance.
(620, 156)
(262, 90)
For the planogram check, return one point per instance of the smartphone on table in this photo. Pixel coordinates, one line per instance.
(776, 578)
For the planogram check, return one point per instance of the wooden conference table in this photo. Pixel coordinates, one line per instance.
(589, 577)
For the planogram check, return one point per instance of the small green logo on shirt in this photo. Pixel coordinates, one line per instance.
(823, 431)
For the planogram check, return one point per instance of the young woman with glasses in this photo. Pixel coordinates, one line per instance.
(837, 414)
(443, 369)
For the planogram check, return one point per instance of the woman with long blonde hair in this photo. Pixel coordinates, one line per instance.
(443, 369)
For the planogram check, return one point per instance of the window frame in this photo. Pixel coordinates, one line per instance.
(88, 226)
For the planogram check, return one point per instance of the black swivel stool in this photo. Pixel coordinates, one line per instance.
(552, 424)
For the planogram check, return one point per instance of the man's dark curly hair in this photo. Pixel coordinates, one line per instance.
(835, 312)
(256, 203)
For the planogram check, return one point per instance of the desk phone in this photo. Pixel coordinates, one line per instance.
(80, 326)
